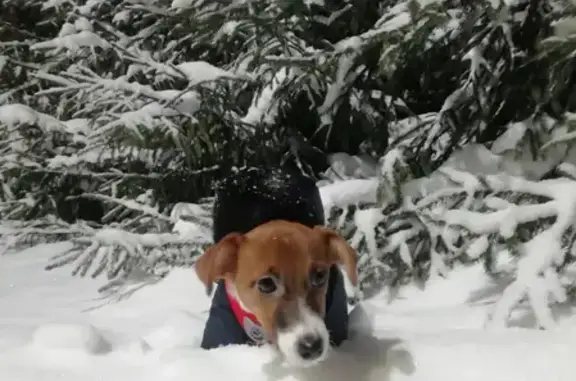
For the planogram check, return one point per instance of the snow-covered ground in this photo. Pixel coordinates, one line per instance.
(56, 327)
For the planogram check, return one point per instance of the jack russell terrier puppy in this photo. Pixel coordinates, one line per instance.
(276, 268)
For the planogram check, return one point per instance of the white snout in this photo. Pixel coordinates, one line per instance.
(306, 342)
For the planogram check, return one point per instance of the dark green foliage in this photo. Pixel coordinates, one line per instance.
(468, 69)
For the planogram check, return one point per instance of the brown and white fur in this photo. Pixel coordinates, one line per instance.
(278, 271)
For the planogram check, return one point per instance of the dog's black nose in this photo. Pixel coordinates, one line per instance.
(310, 347)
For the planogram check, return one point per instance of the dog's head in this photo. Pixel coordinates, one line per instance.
(279, 271)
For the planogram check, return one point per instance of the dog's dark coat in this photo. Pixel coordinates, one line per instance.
(251, 197)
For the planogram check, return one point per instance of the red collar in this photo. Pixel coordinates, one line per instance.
(247, 320)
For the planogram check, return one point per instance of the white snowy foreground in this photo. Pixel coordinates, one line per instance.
(51, 330)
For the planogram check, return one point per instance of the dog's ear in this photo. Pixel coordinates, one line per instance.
(219, 260)
(340, 252)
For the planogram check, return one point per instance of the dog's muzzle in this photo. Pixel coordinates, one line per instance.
(303, 341)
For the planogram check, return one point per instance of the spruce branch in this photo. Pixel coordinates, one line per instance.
(475, 218)
(117, 253)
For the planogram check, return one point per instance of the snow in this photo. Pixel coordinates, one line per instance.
(121, 17)
(464, 326)
(74, 42)
(15, 114)
(186, 103)
(263, 108)
(197, 72)
(345, 166)
(55, 327)
(52, 4)
(181, 4)
(200, 71)
(88, 7)
(82, 23)
(315, 2)
(477, 159)
(344, 76)
(3, 62)
(350, 191)
(186, 218)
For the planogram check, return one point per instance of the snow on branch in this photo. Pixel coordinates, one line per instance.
(15, 114)
(16, 235)
(118, 253)
(536, 276)
(144, 242)
(488, 218)
(74, 42)
(149, 107)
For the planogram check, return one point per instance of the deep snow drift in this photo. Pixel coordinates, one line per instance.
(55, 327)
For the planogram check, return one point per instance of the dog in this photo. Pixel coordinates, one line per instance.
(276, 268)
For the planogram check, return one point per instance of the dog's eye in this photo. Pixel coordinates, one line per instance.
(267, 285)
(318, 277)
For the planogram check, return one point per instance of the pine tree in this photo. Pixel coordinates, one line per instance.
(113, 113)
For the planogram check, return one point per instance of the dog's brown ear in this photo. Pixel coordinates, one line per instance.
(218, 260)
(340, 252)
